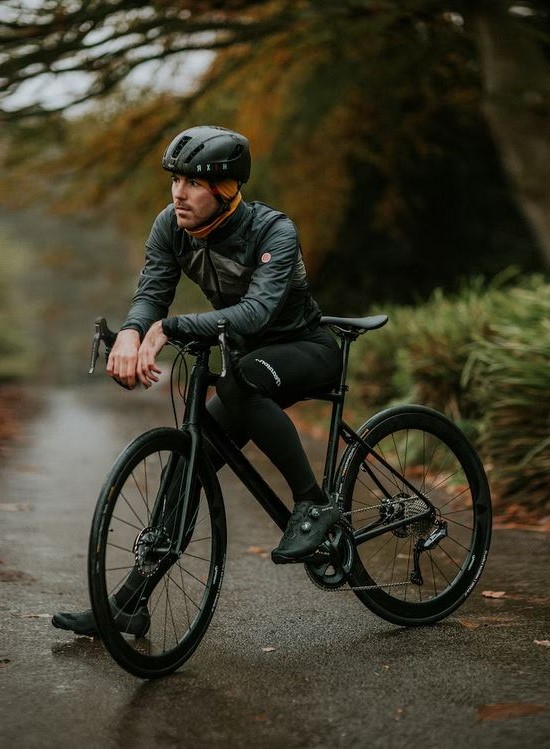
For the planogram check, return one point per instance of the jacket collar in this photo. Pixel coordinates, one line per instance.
(233, 225)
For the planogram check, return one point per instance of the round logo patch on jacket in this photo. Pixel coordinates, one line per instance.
(266, 257)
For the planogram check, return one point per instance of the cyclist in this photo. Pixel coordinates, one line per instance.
(246, 258)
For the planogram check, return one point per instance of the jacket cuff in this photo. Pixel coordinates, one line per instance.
(170, 327)
(137, 328)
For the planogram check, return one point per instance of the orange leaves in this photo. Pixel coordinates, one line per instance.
(508, 710)
(258, 551)
(493, 593)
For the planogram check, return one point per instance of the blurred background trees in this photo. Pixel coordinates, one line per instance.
(410, 143)
(409, 140)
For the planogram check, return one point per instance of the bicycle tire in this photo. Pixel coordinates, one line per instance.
(435, 456)
(131, 526)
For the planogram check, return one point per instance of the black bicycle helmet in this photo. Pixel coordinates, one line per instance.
(209, 152)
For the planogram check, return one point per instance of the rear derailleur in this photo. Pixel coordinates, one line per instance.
(426, 544)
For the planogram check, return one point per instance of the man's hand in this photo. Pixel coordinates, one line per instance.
(153, 342)
(123, 358)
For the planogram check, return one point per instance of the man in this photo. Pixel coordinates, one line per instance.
(246, 258)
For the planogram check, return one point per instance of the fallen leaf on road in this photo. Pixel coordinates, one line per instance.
(493, 593)
(15, 507)
(35, 616)
(258, 550)
(268, 650)
(469, 623)
(4, 662)
(507, 710)
(11, 576)
(486, 621)
(545, 643)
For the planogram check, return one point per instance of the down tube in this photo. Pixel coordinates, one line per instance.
(241, 466)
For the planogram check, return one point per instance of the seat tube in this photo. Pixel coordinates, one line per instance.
(335, 421)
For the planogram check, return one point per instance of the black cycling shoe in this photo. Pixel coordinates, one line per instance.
(83, 623)
(305, 532)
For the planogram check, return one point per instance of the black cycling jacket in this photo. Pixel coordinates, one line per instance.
(250, 268)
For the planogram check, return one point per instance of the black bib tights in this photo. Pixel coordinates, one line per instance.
(284, 373)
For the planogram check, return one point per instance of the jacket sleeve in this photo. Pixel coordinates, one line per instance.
(158, 278)
(277, 253)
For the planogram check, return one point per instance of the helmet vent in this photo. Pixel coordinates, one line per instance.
(179, 146)
(194, 152)
(239, 148)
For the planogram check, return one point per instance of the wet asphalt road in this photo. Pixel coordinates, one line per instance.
(334, 674)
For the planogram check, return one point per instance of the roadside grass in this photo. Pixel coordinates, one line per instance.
(508, 373)
(16, 361)
(482, 357)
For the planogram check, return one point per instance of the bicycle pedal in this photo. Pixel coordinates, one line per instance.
(318, 557)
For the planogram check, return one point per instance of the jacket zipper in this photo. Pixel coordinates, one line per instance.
(214, 274)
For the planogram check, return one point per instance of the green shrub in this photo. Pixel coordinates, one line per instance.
(482, 357)
(375, 367)
(420, 356)
(508, 376)
(14, 359)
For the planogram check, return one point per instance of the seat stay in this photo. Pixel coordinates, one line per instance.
(352, 437)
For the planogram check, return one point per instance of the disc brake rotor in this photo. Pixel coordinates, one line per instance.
(151, 547)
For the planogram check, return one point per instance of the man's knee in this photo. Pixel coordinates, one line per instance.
(260, 373)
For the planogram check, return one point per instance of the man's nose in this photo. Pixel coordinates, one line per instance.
(180, 189)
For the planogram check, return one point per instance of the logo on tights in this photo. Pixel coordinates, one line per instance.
(273, 372)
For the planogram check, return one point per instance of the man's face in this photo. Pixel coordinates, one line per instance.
(194, 203)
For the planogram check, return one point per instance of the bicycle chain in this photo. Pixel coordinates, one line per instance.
(352, 589)
(377, 506)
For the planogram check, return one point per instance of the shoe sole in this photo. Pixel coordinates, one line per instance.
(93, 632)
(67, 628)
(279, 558)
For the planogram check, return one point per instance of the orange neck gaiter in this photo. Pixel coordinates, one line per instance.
(228, 189)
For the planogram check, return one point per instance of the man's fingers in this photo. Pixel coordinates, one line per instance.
(147, 374)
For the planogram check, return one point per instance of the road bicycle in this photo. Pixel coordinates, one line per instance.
(411, 543)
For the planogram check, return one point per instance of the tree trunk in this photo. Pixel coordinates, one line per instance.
(516, 78)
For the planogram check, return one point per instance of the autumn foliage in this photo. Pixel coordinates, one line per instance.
(365, 128)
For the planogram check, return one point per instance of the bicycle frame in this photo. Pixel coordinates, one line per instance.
(201, 425)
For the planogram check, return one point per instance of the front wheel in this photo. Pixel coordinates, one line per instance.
(152, 601)
(418, 572)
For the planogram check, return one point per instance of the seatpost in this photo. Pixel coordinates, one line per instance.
(346, 343)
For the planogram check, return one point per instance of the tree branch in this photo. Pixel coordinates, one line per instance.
(108, 39)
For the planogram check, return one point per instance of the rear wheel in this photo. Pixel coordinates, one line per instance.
(419, 572)
(161, 597)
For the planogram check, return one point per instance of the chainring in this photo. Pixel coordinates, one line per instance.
(330, 566)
